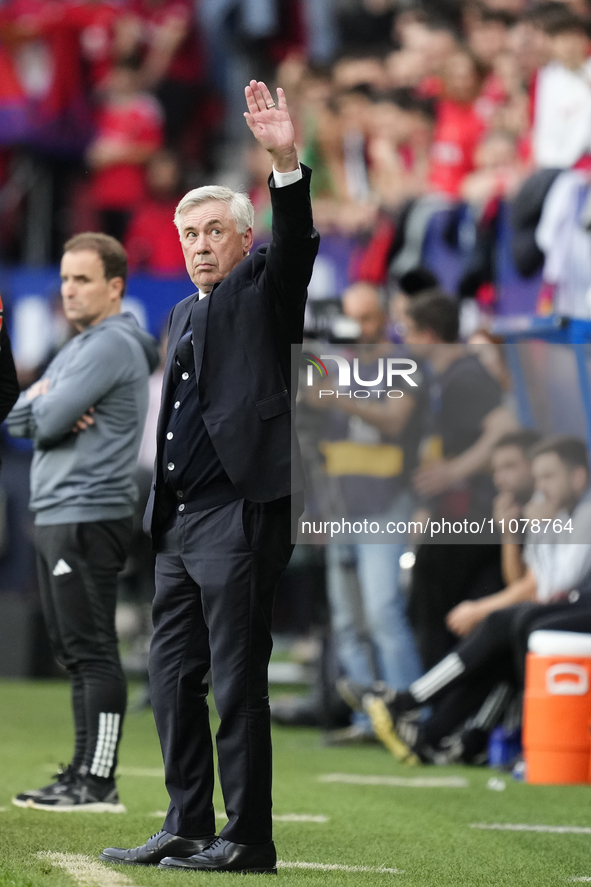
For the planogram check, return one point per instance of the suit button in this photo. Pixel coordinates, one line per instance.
(185, 376)
(179, 494)
(170, 466)
(181, 507)
(169, 436)
(177, 404)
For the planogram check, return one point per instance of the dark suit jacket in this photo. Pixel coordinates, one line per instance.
(243, 359)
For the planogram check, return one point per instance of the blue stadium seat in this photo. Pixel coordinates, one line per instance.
(444, 260)
(515, 294)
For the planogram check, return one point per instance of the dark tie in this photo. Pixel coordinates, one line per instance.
(184, 361)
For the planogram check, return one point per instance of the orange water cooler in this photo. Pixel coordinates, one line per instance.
(557, 708)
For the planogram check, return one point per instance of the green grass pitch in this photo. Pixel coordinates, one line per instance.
(423, 833)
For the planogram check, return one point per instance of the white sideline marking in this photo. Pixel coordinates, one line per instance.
(397, 781)
(85, 871)
(522, 827)
(157, 772)
(579, 879)
(300, 817)
(289, 817)
(88, 873)
(281, 817)
(333, 867)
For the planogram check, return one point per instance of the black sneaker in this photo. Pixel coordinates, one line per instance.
(83, 795)
(65, 776)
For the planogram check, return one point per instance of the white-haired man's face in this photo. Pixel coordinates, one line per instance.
(211, 245)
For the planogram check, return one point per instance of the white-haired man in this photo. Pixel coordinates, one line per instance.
(220, 511)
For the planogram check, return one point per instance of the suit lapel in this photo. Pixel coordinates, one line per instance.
(199, 313)
(180, 323)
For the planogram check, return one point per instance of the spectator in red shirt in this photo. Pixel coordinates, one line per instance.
(129, 132)
(173, 59)
(434, 39)
(400, 138)
(100, 29)
(46, 52)
(65, 47)
(152, 241)
(499, 170)
(459, 125)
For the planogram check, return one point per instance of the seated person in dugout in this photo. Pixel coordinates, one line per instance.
(514, 482)
(555, 591)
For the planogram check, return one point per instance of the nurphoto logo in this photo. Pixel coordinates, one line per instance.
(388, 370)
(314, 362)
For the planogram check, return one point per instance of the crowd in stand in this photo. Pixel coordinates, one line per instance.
(406, 112)
(93, 95)
(463, 114)
(403, 110)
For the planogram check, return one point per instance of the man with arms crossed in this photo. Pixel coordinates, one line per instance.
(219, 514)
(85, 417)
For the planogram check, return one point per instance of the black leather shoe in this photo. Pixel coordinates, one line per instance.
(226, 856)
(156, 848)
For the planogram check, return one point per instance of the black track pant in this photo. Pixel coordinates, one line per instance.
(495, 651)
(78, 566)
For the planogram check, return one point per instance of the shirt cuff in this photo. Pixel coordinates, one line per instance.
(282, 179)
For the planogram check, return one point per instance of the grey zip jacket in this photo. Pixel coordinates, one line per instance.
(84, 476)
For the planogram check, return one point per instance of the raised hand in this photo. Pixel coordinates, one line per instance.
(271, 125)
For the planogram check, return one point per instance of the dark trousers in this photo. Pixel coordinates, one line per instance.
(216, 574)
(495, 651)
(443, 576)
(78, 566)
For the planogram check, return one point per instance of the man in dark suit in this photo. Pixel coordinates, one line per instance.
(220, 509)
